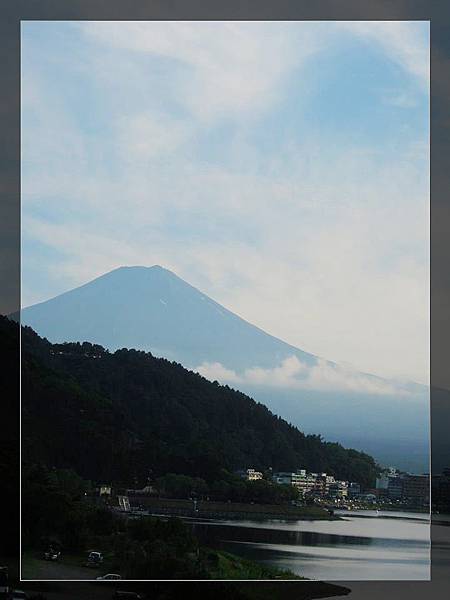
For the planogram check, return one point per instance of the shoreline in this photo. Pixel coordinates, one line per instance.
(232, 516)
(164, 511)
(227, 511)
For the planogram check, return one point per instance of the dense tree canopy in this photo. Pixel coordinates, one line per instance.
(125, 416)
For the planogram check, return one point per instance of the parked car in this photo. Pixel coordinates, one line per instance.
(94, 559)
(109, 577)
(52, 554)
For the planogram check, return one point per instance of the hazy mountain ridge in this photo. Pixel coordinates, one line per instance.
(152, 309)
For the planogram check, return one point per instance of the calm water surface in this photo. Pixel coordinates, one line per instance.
(366, 545)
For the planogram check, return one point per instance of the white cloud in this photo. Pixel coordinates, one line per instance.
(403, 42)
(295, 375)
(147, 136)
(226, 67)
(400, 99)
(215, 371)
(284, 375)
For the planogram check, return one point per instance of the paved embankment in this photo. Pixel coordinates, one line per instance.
(228, 510)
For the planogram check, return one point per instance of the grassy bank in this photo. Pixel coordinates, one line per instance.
(223, 565)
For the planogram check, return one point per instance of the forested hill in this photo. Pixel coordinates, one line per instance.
(119, 416)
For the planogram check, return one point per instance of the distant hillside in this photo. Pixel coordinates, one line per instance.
(151, 309)
(122, 415)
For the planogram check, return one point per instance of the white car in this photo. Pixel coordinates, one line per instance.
(52, 554)
(94, 559)
(109, 577)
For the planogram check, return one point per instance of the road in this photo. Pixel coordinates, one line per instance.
(38, 569)
(68, 591)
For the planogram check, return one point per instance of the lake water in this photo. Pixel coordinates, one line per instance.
(367, 545)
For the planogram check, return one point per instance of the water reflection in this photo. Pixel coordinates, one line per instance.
(363, 546)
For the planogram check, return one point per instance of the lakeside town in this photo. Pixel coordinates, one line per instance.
(392, 487)
(393, 490)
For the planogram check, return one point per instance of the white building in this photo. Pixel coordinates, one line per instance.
(253, 475)
(250, 474)
(338, 489)
(303, 481)
(286, 478)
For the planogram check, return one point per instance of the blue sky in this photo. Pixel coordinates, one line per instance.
(282, 168)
